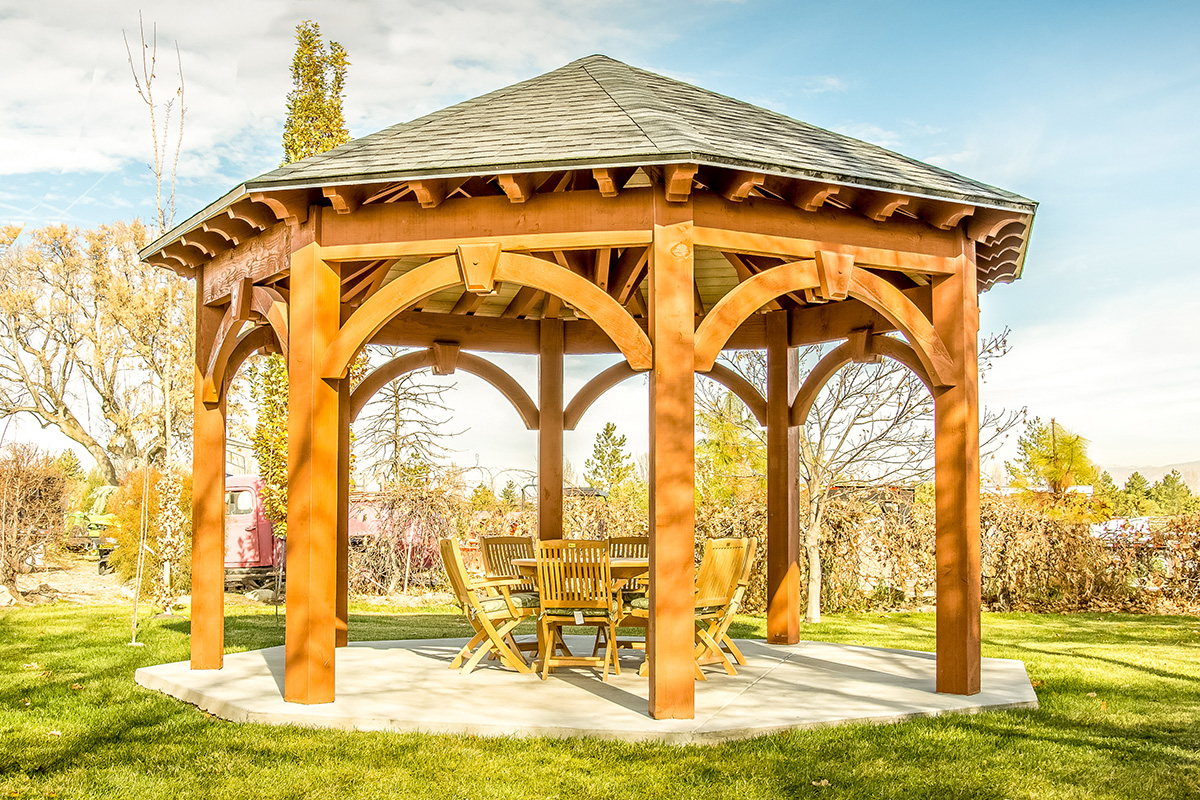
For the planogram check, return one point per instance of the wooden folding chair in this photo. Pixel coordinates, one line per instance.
(720, 585)
(498, 553)
(628, 546)
(493, 616)
(576, 589)
(722, 567)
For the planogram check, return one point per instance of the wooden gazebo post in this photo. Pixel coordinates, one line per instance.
(208, 501)
(313, 475)
(672, 466)
(783, 485)
(550, 429)
(956, 482)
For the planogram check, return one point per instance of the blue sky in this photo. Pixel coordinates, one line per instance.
(1092, 109)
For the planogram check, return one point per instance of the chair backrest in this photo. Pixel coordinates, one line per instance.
(574, 574)
(456, 571)
(629, 547)
(498, 553)
(721, 569)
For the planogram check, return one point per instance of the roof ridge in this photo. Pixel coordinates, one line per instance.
(632, 96)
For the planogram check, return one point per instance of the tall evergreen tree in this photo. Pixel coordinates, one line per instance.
(610, 466)
(1172, 495)
(1051, 456)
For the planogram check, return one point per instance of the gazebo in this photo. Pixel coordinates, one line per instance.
(598, 208)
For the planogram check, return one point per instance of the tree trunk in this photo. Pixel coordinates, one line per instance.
(812, 547)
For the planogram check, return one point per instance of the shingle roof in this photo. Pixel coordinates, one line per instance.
(600, 112)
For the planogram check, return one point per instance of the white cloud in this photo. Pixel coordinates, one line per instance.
(68, 103)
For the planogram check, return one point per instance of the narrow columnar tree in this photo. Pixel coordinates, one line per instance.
(314, 124)
(1051, 456)
(610, 466)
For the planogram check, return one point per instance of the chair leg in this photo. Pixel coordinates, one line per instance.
(616, 647)
(707, 645)
(596, 644)
(549, 632)
(466, 649)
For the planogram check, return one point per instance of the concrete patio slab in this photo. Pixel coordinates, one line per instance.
(406, 686)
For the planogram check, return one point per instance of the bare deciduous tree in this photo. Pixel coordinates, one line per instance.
(400, 428)
(172, 111)
(872, 423)
(33, 494)
(88, 339)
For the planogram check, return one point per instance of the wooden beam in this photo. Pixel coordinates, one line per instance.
(469, 303)
(208, 243)
(345, 199)
(606, 181)
(389, 193)
(603, 267)
(737, 185)
(289, 206)
(670, 634)
(677, 181)
(522, 303)
(988, 224)
(566, 221)
(789, 248)
(188, 255)
(550, 430)
(313, 425)
(956, 484)
(430, 193)
(783, 486)
(778, 222)
(811, 196)
(519, 187)
(628, 273)
(253, 214)
(945, 215)
(879, 206)
(208, 500)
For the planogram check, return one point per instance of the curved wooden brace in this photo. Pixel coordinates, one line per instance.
(479, 367)
(752, 294)
(259, 338)
(591, 391)
(601, 383)
(267, 302)
(746, 391)
(218, 361)
(596, 304)
(443, 273)
(839, 357)
(904, 314)
(743, 300)
(271, 305)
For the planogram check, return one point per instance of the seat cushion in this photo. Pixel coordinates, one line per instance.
(642, 603)
(568, 612)
(519, 599)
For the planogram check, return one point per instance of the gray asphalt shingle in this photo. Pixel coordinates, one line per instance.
(599, 111)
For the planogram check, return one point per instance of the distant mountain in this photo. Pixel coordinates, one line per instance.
(1189, 470)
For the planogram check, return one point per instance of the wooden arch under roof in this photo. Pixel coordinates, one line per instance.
(598, 208)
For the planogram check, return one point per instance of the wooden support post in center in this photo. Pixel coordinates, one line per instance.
(783, 486)
(208, 501)
(550, 430)
(313, 434)
(670, 634)
(956, 481)
(343, 516)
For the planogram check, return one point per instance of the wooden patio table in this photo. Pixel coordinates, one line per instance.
(622, 569)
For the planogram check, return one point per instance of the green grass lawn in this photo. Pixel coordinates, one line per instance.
(1119, 718)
